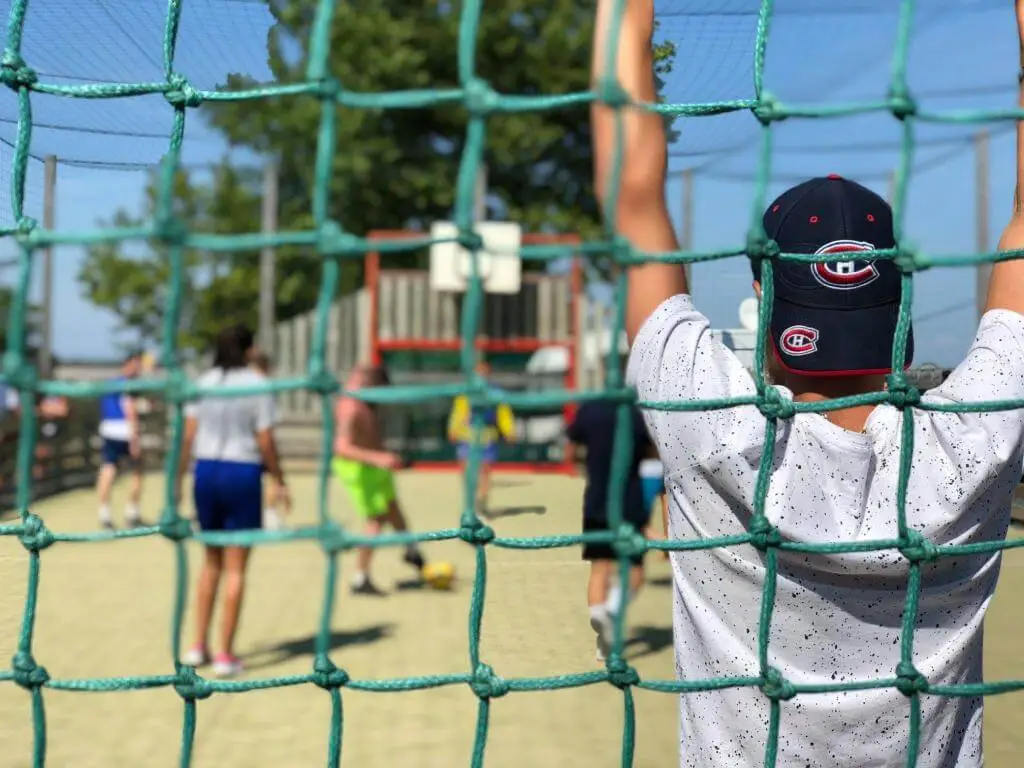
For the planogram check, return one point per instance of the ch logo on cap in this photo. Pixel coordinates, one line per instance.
(844, 275)
(799, 340)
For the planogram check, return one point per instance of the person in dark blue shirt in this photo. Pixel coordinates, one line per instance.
(594, 430)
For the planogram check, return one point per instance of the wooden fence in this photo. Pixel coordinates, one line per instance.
(409, 315)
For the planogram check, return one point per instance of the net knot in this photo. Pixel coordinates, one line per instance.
(26, 227)
(332, 538)
(906, 260)
(176, 387)
(486, 684)
(773, 405)
(470, 240)
(180, 93)
(759, 248)
(19, 373)
(909, 681)
(480, 97)
(611, 93)
(321, 381)
(918, 549)
(620, 674)
(901, 105)
(763, 534)
(191, 686)
(170, 230)
(628, 541)
(476, 532)
(768, 109)
(900, 392)
(621, 250)
(15, 73)
(27, 673)
(327, 676)
(333, 240)
(776, 687)
(35, 536)
(173, 527)
(328, 89)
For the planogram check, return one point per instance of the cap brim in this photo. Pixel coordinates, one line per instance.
(836, 342)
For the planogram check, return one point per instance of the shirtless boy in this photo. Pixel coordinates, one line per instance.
(365, 470)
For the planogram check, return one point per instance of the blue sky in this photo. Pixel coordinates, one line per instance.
(963, 56)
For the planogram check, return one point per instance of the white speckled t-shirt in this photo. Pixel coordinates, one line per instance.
(837, 617)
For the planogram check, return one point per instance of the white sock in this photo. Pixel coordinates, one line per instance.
(104, 513)
(359, 578)
(271, 519)
(614, 601)
(131, 512)
(599, 612)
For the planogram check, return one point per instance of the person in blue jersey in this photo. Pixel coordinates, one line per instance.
(119, 429)
(232, 442)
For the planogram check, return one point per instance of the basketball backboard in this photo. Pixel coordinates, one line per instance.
(499, 264)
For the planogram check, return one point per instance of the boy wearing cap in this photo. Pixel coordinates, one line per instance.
(834, 477)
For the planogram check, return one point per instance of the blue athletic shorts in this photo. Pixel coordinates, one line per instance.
(115, 451)
(228, 495)
(488, 453)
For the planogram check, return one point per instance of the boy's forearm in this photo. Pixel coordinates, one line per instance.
(640, 212)
(1006, 284)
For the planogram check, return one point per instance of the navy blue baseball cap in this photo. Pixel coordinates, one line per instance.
(835, 318)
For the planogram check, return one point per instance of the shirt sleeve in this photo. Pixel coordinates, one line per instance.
(675, 358)
(980, 445)
(266, 412)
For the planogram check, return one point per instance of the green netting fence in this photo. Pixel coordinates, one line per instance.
(332, 244)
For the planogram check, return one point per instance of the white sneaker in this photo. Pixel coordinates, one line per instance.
(272, 521)
(601, 623)
(226, 665)
(196, 656)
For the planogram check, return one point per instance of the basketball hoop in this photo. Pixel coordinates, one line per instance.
(498, 263)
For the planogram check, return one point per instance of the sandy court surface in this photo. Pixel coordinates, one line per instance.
(104, 611)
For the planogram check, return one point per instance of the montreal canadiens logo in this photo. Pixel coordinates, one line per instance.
(844, 275)
(799, 340)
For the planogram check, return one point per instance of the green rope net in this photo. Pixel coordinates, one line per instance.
(332, 244)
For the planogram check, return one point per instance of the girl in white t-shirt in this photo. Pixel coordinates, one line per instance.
(232, 441)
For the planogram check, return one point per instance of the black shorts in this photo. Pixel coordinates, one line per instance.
(601, 550)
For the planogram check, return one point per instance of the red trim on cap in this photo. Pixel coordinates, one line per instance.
(829, 374)
(835, 177)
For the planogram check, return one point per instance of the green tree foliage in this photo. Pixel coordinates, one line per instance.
(392, 169)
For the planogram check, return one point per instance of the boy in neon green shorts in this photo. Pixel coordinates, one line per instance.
(365, 471)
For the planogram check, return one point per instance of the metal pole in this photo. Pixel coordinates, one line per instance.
(268, 305)
(46, 329)
(891, 193)
(981, 211)
(687, 233)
